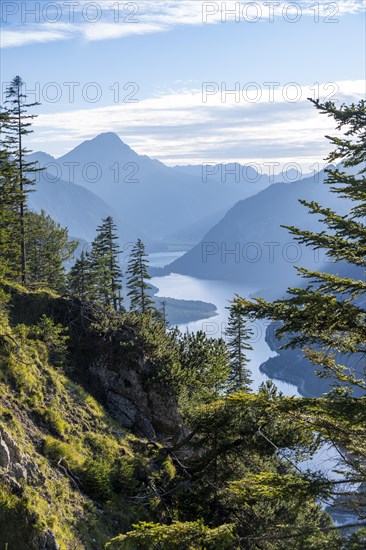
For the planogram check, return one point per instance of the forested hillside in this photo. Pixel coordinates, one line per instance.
(118, 431)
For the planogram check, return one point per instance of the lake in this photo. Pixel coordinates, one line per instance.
(219, 293)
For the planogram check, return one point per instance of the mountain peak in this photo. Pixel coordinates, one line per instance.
(112, 142)
(106, 143)
(108, 137)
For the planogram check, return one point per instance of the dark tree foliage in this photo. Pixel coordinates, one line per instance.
(137, 277)
(329, 311)
(80, 278)
(48, 248)
(327, 316)
(17, 125)
(238, 337)
(205, 368)
(106, 273)
(10, 194)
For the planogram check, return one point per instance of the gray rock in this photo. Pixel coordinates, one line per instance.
(19, 471)
(45, 541)
(51, 542)
(4, 454)
(15, 454)
(34, 475)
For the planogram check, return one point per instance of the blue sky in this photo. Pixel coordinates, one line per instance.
(164, 58)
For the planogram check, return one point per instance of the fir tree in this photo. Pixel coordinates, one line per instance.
(329, 312)
(106, 272)
(80, 278)
(238, 336)
(205, 366)
(164, 314)
(48, 248)
(326, 318)
(9, 213)
(17, 126)
(137, 273)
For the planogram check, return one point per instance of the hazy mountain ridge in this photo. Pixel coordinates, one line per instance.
(249, 244)
(161, 202)
(74, 207)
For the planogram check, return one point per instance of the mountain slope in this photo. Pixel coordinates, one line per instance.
(249, 244)
(242, 175)
(73, 206)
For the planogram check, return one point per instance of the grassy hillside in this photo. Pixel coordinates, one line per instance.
(69, 471)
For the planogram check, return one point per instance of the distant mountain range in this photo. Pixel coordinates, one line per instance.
(249, 245)
(161, 204)
(245, 176)
(73, 206)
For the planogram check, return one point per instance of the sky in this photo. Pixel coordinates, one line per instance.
(187, 81)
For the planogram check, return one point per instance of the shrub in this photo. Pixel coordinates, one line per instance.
(55, 338)
(179, 535)
(96, 477)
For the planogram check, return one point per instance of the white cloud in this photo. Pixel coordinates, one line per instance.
(105, 31)
(178, 128)
(146, 16)
(16, 38)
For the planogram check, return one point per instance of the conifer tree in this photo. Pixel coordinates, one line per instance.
(238, 336)
(17, 126)
(80, 278)
(9, 215)
(48, 248)
(205, 367)
(137, 275)
(326, 317)
(329, 311)
(106, 272)
(164, 314)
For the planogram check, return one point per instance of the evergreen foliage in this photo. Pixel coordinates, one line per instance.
(106, 273)
(17, 125)
(137, 277)
(178, 535)
(238, 337)
(327, 316)
(97, 275)
(329, 311)
(205, 368)
(80, 277)
(48, 248)
(9, 215)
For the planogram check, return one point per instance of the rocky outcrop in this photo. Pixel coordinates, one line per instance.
(45, 541)
(13, 464)
(17, 470)
(110, 364)
(139, 403)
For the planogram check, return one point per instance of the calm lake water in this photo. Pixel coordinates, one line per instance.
(219, 293)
